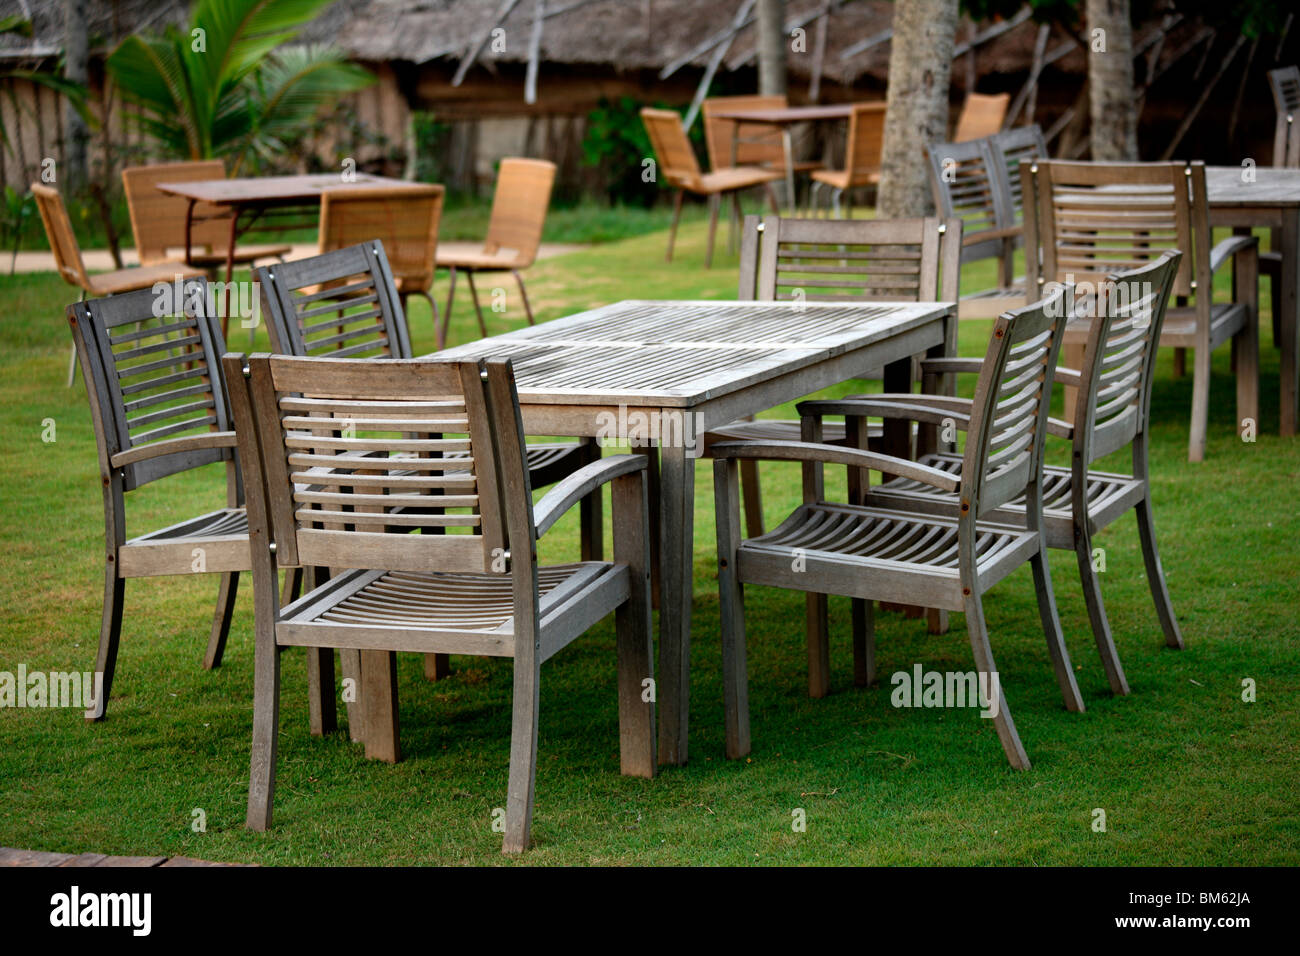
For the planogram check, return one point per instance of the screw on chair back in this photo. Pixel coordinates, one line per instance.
(519, 205)
(1009, 412)
(405, 219)
(677, 163)
(63, 242)
(1285, 84)
(1119, 358)
(865, 143)
(158, 218)
(981, 115)
(351, 454)
(756, 144)
(342, 304)
(155, 392)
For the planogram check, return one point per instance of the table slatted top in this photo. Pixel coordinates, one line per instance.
(269, 190)
(1224, 186)
(684, 353)
(780, 116)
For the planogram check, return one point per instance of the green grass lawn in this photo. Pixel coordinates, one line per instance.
(1186, 772)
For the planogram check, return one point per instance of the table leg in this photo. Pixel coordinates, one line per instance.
(1289, 326)
(189, 231)
(897, 433)
(230, 273)
(676, 536)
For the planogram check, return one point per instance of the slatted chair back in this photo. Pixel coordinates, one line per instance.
(845, 260)
(757, 144)
(1119, 358)
(865, 143)
(150, 384)
(981, 115)
(965, 186)
(519, 205)
(1096, 219)
(1009, 412)
(677, 163)
(63, 242)
(405, 219)
(351, 453)
(1285, 84)
(1006, 151)
(158, 218)
(342, 304)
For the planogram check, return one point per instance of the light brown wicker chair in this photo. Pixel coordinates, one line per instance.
(523, 193)
(67, 259)
(405, 219)
(861, 156)
(679, 169)
(981, 115)
(158, 218)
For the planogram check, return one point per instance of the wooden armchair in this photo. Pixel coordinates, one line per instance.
(523, 194)
(405, 219)
(861, 158)
(158, 218)
(678, 168)
(1096, 219)
(1112, 413)
(158, 409)
(67, 259)
(904, 556)
(875, 260)
(321, 496)
(981, 115)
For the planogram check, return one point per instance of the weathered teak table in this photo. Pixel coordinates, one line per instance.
(669, 371)
(259, 199)
(1270, 198)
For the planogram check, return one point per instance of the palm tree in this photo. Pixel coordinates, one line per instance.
(229, 86)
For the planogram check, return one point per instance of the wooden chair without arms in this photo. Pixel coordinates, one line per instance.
(344, 304)
(158, 409)
(68, 261)
(405, 219)
(158, 218)
(1285, 85)
(861, 158)
(523, 194)
(1112, 413)
(320, 496)
(906, 557)
(877, 260)
(679, 169)
(981, 115)
(1096, 219)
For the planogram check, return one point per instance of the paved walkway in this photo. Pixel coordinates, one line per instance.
(100, 260)
(11, 857)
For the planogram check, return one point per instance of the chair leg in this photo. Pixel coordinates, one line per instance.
(1097, 613)
(110, 634)
(864, 642)
(478, 309)
(715, 201)
(221, 619)
(590, 512)
(1245, 364)
(1200, 404)
(672, 230)
(979, 642)
(523, 758)
(378, 699)
(819, 649)
(753, 497)
(771, 199)
(1051, 622)
(1156, 575)
(322, 711)
(440, 332)
(72, 365)
(446, 313)
(266, 726)
(1180, 363)
(733, 226)
(292, 588)
(437, 667)
(350, 665)
(936, 620)
(523, 294)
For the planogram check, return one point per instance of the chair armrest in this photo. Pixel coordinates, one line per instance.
(172, 446)
(941, 366)
(835, 455)
(984, 235)
(1061, 429)
(906, 406)
(1067, 376)
(1228, 248)
(567, 493)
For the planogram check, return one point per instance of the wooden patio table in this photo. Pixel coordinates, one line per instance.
(252, 200)
(1271, 199)
(784, 118)
(688, 366)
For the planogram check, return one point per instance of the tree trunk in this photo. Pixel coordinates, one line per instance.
(1112, 101)
(920, 65)
(771, 47)
(76, 135)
